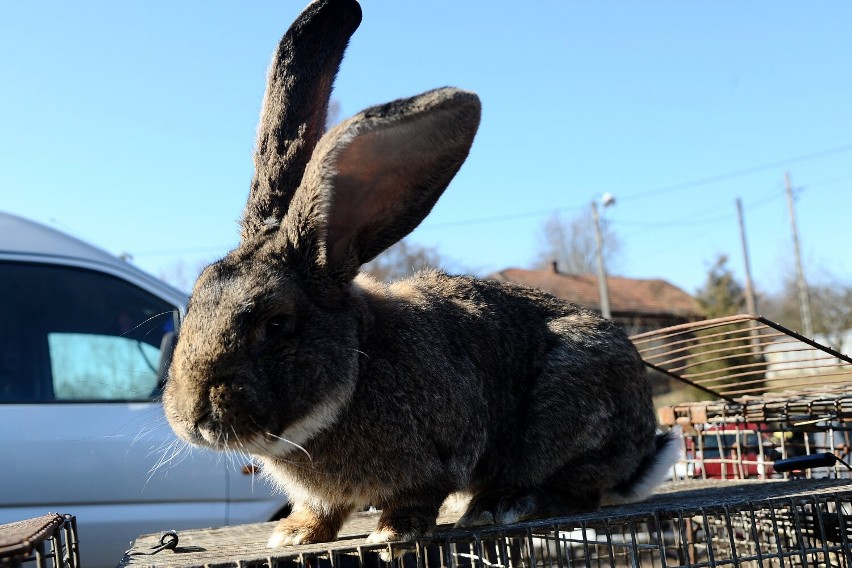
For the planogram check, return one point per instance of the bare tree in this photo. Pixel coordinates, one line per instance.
(570, 243)
(333, 115)
(831, 304)
(402, 259)
(180, 275)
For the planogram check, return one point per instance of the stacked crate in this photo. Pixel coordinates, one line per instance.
(774, 395)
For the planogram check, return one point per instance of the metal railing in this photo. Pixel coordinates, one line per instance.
(48, 541)
(740, 356)
(712, 524)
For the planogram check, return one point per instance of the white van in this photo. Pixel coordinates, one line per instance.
(82, 430)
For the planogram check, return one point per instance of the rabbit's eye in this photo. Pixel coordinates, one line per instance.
(280, 326)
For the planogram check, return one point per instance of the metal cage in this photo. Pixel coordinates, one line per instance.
(737, 357)
(715, 523)
(45, 541)
(777, 396)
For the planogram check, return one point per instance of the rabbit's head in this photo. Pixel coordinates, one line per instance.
(268, 351)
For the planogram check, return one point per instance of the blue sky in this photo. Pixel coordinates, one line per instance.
(131, 125)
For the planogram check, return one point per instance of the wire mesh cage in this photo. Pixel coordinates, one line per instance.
(47, 541)
(736, 523)
(744, 355)
(778, 396)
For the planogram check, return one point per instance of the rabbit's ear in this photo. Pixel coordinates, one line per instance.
(375, 177)
(295, 106)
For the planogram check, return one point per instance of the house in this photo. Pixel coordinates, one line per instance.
(638, 305)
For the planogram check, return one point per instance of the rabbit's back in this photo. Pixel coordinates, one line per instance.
(529, 381)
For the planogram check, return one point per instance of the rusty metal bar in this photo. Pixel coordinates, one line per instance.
(784, 359)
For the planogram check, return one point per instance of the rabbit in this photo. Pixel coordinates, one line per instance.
(352, 392)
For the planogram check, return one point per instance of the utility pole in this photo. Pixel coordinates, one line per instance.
(750, 298)
(804, 297)
(602, 283)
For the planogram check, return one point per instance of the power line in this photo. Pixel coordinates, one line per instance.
(506, 217)
(822, 183)
(196, 250)
(738, 173)
(665, 189)
(650, 193)
(683, 239)
(774, 195)
(695, 219)
(680, 221)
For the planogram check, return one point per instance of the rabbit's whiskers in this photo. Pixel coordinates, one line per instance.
(269, 435)
(171, 455)
(261, 450)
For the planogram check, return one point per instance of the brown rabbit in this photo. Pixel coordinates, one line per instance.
(351, 392)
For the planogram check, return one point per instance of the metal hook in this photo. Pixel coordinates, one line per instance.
(169, 540)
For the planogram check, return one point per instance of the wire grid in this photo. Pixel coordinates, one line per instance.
(742, 355)
(47, 541)
(749, 524)
(743, 439)
(778, 395)
(804, 532)
(807, 532)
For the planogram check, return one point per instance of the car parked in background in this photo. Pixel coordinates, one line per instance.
(83, 431)
(731, 451)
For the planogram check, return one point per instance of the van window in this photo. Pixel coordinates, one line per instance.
(69, 334)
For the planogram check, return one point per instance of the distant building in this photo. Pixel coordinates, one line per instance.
(638, 305)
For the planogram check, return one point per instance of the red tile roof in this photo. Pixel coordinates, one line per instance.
(626, 295)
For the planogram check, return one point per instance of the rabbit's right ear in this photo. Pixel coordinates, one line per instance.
(373, 179)
(295, 106)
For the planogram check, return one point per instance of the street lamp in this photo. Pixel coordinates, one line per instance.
(607, 199)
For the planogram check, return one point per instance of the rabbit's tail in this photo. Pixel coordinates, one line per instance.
(651, 472)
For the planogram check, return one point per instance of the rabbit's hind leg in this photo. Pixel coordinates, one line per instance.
(503, 507)
(497, 507)
(409, 516)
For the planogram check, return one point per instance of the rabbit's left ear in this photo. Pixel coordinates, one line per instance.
(295, 106)
(374, 178)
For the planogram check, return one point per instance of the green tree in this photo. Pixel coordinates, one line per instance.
(722, 295)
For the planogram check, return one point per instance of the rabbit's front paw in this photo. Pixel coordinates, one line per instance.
(403, 524)
(405, 521)
(289, 536)
(382, 536)
(304, 527)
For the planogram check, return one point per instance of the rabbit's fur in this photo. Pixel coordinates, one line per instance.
(351, 392)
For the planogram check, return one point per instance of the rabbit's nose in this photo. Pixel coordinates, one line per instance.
(204, 420)
(211, 429)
